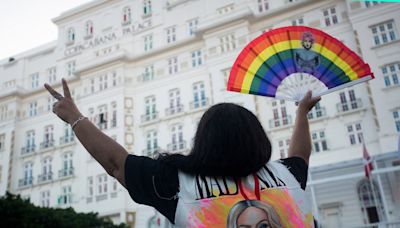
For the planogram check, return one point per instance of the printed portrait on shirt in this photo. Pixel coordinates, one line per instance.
(221, 202)
(252, 214)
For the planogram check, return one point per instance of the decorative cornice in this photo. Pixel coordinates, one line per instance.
(63, 17)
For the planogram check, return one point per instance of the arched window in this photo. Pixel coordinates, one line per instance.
(46, 165)
(67, 160)
(371, 201)
(147, 7)
(70, 35)
(67, 168)
(28, 172)
(126, 15)
(88, 29)
(47, 173)
(113, 114)
(27, 175)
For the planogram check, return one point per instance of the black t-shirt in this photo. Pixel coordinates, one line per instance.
(152, 182)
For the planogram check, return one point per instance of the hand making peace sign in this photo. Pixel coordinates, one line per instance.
(64, 107)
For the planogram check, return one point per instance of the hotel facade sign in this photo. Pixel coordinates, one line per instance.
(132, 29)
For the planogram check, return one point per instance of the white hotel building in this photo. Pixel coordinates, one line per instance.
(145, 71)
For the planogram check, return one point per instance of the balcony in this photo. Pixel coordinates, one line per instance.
(45, 177)
(65, 173)
(67, 139)
(174, 110)
(28, 150)
(113, 194)
(47, 144)
(349, 106)
(149, 117)
(147, 14)
(89, 199)
(101, 197)
(200, 104)
(317, 114)
(25, 182)
(280, 123)
(151, 152)
(177, 147)
(146, 77)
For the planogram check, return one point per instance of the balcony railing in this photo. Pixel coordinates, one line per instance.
(67, 139)
(101, 197)
(147, 76)
(25, 182)
(174, 110)
(149, 117)
(151, 152)
(178, 146)
(199, 104)
(349, 105)
(45, 177)
(281, 122)
(28, 150)
(64, 173)
(316, 113)
(47, 144)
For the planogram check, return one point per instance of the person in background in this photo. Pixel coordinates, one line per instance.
(229, 163)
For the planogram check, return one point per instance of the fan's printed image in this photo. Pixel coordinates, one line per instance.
(286, 62)
(306, 59)
(253, 213)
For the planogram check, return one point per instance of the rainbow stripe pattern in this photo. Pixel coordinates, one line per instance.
(270, 58)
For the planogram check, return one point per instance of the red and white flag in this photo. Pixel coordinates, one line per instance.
(367, 162)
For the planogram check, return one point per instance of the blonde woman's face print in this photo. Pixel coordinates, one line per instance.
(307, 43)
(253, 217)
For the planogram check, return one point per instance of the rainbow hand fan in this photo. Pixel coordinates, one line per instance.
(287, 62)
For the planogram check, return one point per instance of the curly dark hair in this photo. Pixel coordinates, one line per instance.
(229, 141)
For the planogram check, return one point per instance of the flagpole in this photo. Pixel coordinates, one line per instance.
(367, 162)
(371, 183)
(380, 186)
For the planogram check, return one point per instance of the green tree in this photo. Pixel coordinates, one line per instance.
(18, 212)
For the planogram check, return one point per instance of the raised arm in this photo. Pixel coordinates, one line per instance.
(104, 149)
(300, 143)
